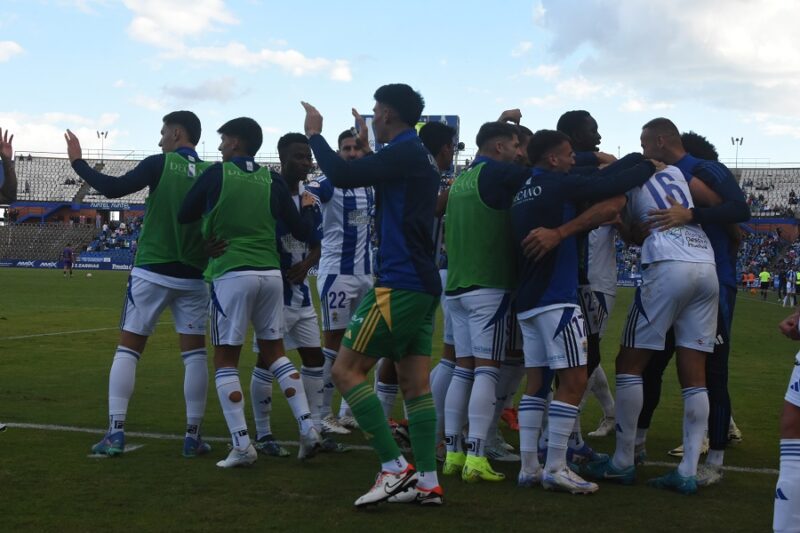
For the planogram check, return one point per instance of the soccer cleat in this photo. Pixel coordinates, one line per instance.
(267, 445)
(708, 475)
(310, 443)
(348, 422)
(528, 480)
(734, 433)
(509, 416)
(454, 463)
(678, 452)
(605, 428)
(329, 445)
(111, 445)
(3, 427)
(604, 469)
(238, 457)
(193, 447)
(565, 480)
(331, 425)
(496, 451)
(387, 484)
(420, 496)
(639, 454)
(674, 481)
(584, 454)
(478, 468)
(400, 433)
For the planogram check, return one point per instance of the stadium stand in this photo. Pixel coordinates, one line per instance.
(42, 241)
(771, 191)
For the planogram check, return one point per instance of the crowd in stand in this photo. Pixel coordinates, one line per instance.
(117, 235)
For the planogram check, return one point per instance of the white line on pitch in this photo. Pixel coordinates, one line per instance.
(18, 337)
(146, 435)
(128, 449)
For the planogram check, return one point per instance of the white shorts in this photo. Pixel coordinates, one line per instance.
(793, 390)
(606, 302)
(300, 329)
(554, 338)
(145, 301)
(446, 318)
(674, 294)
(480, 323)
(242, 298)
(339, 296)
(590, 308)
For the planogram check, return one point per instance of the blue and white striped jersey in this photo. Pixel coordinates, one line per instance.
(346, 217)
(292, 252)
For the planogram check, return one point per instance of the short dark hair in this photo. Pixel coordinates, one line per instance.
(346, 134)
(247, 131)
(524, 132)
(188, 121)
(402, 98)
(289, 139)
(572, 121)
(662, 126)
(543, 141)
(699, 146)
(435, 136)
(492, 130)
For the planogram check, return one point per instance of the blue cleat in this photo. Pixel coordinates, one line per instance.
(528, 480)
(267, 445)
(111, 445)
(674, 481)
(584, 454)
(194, 447)
(604, 469)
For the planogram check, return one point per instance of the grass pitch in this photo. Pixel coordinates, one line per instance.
(57, 338)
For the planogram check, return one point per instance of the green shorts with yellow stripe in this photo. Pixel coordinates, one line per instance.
(392, 323)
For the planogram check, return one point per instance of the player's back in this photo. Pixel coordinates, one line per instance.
(687, 243)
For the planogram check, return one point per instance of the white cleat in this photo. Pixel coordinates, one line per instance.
(605, 428)
(310, 444)
(678, 452)
(708, 475)
(566, 480)
(734, 434)
(349, 422)
(497, 452)
(387, 484)
(331, 425)
(239, 457)
(529, 480)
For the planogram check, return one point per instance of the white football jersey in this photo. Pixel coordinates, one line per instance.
(602, 272)
(685, 243)
(346, 217)
(291, 252)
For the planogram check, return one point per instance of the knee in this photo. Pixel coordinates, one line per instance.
(235, 396)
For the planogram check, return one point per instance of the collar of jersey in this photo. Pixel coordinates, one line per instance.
(404, 135)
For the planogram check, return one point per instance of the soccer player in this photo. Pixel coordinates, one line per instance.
(679, 291)
(300, 330)
(344, 275)
(395, 319)
(8, 175)
(764, 278)
(481, 276)
(791, 290)
(697, 159)
(786, 516)
(67, 255)
(597, 288)
(240, 203)
(167, 272)
(552, 325)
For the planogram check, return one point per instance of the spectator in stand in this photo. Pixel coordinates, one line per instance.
(8, 176)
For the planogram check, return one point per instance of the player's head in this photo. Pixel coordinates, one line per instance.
(397, 106)
(699, 146)
(241, 137)
(524, 138)
(295, 156)
(180, 128)
(551, 150)
(661, 140)
(349, 146)
(438, 139)
(499, 141)
(581, 128)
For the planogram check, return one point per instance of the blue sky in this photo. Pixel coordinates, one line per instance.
(722, 68)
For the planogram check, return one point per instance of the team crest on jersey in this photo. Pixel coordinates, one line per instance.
(313, 183)
(334, 316)
(192, 170)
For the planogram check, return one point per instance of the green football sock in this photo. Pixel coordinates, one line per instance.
(368, 413)
(422, 426)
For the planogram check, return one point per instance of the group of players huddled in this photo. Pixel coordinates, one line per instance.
(518, 248)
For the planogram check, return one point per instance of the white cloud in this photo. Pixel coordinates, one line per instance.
(8, 49)
(45, 132)
(165, 26)
(546, 72)
(539, 13)
(549, 100)
(219, 90)
(637, 105)
(147, 102)
(522, 48)
(578, 88)
(739, 55)
(119, 84)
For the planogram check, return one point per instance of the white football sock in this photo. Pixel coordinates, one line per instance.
(455, 407)
(314, 386)
(121, 380)
(695, 425)
(561, 419)
(195, 389)
(261, 397)
(227, 382)
(531, 414)
(600, 388)
(387, 394)
(786, 517)
(440, 382)
(481, 408)
(630, 398)
(289, 380)
(327, 397)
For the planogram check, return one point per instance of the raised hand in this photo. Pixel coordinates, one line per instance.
(361, 126)
(73, 146)
(313, 122)
(6, 149)
(511, 115)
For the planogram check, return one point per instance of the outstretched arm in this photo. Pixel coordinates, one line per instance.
(8, 189)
